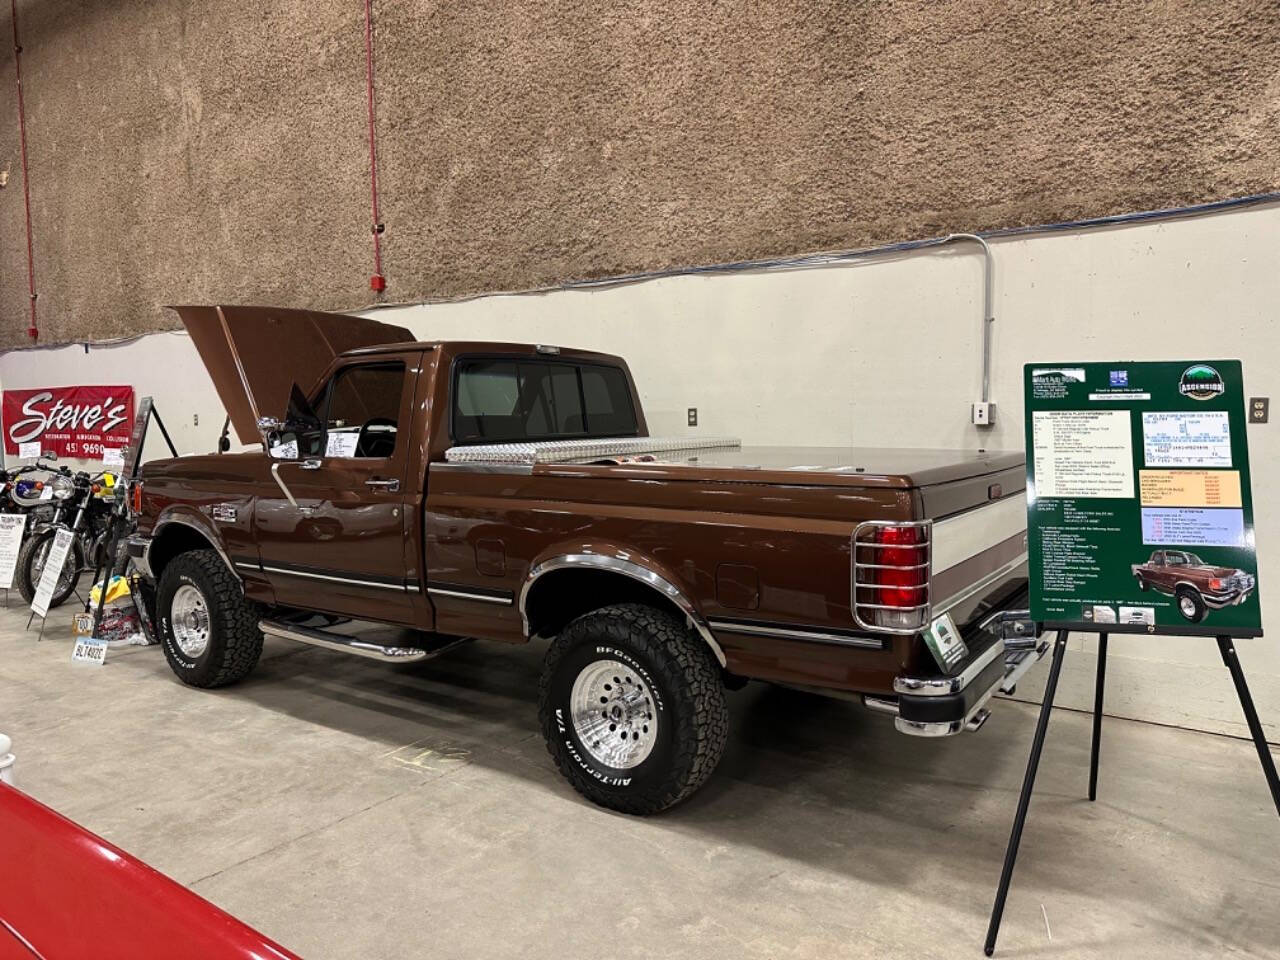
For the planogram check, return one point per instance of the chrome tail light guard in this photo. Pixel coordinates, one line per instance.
(866, 592)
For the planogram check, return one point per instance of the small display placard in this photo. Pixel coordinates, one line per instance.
(53, 564)
(1139, 509)
(12, 527)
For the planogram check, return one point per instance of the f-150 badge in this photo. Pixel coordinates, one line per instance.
(224, 513)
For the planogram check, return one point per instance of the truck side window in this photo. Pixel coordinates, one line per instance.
(512, 400)
(360, 408)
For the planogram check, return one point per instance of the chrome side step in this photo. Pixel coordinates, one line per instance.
(345, 643)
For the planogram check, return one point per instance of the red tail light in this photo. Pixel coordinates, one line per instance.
(903, 573)
(137, 497)
(891, 565)
(39, 485)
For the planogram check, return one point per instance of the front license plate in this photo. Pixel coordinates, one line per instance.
(944, 642)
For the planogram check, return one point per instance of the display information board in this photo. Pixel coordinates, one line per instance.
(12, 528)
(53, 565)
(1139, 511)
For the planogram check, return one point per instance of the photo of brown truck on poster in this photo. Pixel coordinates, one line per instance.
(1195, 585)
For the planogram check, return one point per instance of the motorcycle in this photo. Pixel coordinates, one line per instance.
(79, 496)
(23, 493)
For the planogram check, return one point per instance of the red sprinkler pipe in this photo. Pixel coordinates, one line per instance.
(33, 331)
(377, 282)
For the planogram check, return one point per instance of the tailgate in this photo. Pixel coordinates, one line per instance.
(979, 556)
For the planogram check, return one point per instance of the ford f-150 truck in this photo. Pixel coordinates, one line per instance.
(512, 492)
(1197, 586)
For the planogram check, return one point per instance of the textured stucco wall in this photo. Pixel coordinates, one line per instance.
(215, 150)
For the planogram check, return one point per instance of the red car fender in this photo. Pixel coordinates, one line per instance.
(65, 892)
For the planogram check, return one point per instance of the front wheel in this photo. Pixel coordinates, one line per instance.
(633, 709)
(30, 568)
(1190, 604)
(207, 627)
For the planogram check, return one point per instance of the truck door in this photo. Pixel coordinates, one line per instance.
(332, 536)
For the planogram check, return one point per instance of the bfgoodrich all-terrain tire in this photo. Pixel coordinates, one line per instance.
(208, 629)
(1190, 604)
(632, 707)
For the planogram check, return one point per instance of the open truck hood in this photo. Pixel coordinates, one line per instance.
(256, 354)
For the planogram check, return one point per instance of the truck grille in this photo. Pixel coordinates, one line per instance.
(890, 591)
(1240, 581)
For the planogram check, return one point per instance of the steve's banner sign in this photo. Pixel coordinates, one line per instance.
(70, 421)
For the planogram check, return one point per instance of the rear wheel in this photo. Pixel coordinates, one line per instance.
(1190, 604)
(31, 562)
(208, 629)
(632, 708)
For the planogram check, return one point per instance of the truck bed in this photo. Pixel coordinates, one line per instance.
(948, 481)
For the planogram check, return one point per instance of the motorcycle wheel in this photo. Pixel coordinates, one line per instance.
(31, 559)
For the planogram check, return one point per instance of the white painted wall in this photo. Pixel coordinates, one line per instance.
(162, 365)
(887, 352)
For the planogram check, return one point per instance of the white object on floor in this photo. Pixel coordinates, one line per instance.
(6, 760)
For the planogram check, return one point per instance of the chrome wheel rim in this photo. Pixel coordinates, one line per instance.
(189, 616)
(613, 714)
(1187, 606)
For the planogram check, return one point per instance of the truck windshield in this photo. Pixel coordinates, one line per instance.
(515, 400)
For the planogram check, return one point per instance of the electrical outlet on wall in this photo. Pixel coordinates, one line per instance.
(693, 416)
(984, 414)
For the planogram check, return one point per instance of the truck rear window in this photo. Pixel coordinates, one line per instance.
(497, 401)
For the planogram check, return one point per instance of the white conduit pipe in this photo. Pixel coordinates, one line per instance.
(988, 304)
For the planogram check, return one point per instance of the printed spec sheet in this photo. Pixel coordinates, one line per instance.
(1138, 499)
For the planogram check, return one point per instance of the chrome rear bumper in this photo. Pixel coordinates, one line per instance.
(942, 706)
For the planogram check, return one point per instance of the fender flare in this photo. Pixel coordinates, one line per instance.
(626, 567)
(193, 520)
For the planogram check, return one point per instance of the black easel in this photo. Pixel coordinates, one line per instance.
(1225, 646)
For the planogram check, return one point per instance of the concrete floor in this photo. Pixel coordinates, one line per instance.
(349, 809)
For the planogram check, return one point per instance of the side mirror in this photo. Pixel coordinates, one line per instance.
(268, 425)
(280, 441)
(48, 455)
(299, 428)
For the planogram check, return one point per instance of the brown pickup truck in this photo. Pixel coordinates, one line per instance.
(1197, 586)
(405, 496)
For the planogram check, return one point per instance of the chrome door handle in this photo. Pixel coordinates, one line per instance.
(311, 464)
(391, 486)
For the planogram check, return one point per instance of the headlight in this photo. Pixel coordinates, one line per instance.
(62, 488)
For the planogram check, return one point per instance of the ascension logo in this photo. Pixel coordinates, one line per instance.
(1201, 383)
